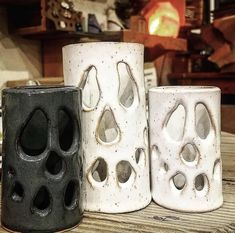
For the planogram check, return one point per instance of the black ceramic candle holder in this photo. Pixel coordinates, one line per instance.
(42, 159)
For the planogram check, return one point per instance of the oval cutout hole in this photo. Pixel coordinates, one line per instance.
(99, 170)
(124, 171)
(179, 181)
(90, 88)
(155, 153)
(189, 153)
(17, 192)
(203, 122)
(217, 170)
(146, 136)
(200, 182)
(164, 167)
(127, 86)
(108, 130)
(11, 172)
(66, 130)
(42, 199)
(139, 155)
(71, 195)
(176, 122)
(33, 138)
(54, 163)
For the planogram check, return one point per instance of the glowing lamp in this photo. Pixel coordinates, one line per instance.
(164, 18)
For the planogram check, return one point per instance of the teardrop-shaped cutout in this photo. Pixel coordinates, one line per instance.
(179, 181)
(124, 170)
(54, 163)
(108, 130)
(42, 200)
(127, 85)
(155, 153)
(203, 123)
(71, 195)
(90, 89)
(33, 138)
(176, 122)
(217, 170)
(99, 170)
(17, 192)
(189, 154)
(66, 129)
(139, 155)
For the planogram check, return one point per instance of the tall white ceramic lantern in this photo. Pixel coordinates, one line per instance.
(114, 123)
(186, 167)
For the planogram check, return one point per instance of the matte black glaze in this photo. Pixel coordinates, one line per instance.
(38, 196)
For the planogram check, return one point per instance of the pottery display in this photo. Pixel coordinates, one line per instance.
(114, 125)
(186, 167)
(42, 159)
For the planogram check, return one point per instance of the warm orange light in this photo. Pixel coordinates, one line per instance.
(164, 21)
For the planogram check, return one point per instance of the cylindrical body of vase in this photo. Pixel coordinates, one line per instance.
(42, 159)
(186, 168)
(114, 123)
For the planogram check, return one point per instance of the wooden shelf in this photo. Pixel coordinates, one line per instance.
(225, 81)
(28, 19)
(60, 35)
(40, 81)
(52, 44)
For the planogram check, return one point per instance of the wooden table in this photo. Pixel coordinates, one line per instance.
(156, 219)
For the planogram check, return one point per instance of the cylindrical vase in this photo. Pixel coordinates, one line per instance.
(42, 159)
(186, 168)
(114, 123)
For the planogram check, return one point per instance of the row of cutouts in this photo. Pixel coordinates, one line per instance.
(34, 135)
(201, 183)
(124, 170)
(91, 92)
(203, 122)
(54, 166)
(189, 154)
(42, 200)
(109, 132)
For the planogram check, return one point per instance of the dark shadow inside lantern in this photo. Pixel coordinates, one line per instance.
(42, 201)
(33, 138)
(17, 192)
(54, 163)
(71, 195)
(11, 172)
(66, 130)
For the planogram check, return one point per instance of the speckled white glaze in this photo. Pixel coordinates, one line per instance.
(166, 152)
(110, 195)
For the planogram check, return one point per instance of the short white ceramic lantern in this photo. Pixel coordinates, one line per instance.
(114, 123)
(186, 169)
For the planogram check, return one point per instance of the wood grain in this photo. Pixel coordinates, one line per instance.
(155, 219)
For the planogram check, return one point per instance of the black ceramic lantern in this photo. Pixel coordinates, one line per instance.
(42, 159)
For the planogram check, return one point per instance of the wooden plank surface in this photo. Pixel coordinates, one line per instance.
(155, 219)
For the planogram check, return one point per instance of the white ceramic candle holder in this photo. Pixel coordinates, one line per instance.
(186, 169)
(114, 124)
